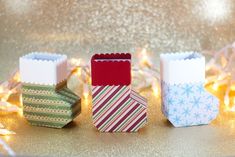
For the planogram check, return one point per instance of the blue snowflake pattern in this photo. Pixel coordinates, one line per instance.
(187, 90)
(200, 89)
(196, 115)
(177, 120)
(208, 107)
(180, 102)
(175, 110)
(170, 101)
(196, 102)
(189, 104)
(186, 112)
(168, 89)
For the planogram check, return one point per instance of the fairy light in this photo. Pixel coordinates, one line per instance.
(85, 92)
(226, 100)
(7, 148)
(89, 80)
(16, 77)
(86, 95)
(155, 88)
(144, 59)
(5, 132)
(232, 87)
(21, 113)
(21, 100)
(1, 89)
(208, 67)
(155, 91)
(232, 109)
(7, 138)
(2, 108)
(215, 86)
(78, 71)
(220, 78)
(75, 62)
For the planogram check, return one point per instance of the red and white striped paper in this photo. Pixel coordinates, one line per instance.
(118, 109)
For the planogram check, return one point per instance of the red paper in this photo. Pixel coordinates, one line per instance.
(111, 69)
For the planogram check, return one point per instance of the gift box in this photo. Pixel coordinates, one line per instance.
(115, 106)
(185, 102)
(46, 99)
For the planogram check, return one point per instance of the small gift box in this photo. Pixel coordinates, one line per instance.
(115, 106)
(185, 102)
(46, 99)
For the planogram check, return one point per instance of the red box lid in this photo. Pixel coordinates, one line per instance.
(111, 69)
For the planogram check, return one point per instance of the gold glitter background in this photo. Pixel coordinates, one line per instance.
(81, 27)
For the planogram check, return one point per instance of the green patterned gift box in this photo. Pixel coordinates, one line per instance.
(49, 104)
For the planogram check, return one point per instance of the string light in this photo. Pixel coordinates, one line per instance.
(76, 62)
(215, 86)
(5, 132)
(232, 87)
(16, 77)
(78, 72)
(144, 59)
(1, 126)
(155, 88)
(144, 56)
(7, 138)
(21, 113)
(85, 95)
(1, 89)
(232, 109)
(85, 92)
(7, 148)
(226, 100)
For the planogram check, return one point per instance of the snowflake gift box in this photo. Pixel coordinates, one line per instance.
(115, 106)
(46, 99)
(185, 102)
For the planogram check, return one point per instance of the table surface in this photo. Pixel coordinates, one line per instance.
(157, 138)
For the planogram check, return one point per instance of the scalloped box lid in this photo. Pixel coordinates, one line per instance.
(111, 69)
(179, 68)
(43, 68)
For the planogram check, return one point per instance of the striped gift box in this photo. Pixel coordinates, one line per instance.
(115, 106)
(46, 99)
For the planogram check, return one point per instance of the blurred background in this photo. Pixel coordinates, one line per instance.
(80, 28)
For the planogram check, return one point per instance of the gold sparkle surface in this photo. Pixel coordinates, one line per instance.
(79, 28)
(157, 138)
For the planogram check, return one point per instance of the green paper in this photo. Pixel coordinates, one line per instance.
(49, 106)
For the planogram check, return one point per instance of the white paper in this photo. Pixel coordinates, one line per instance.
(178, 68)
(43, 68)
